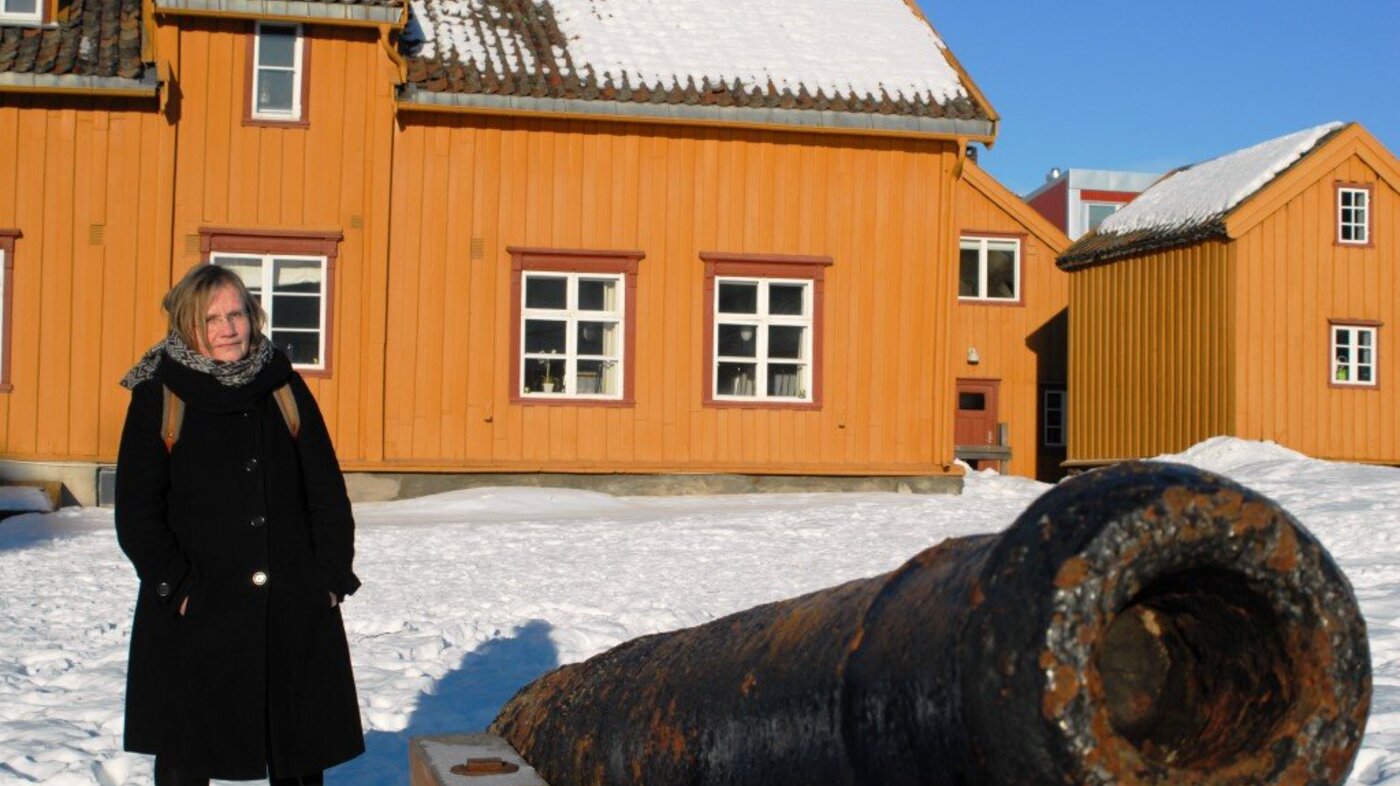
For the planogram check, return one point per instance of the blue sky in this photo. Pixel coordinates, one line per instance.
(1153, 85)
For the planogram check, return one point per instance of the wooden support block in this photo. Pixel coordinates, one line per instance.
(478, 760)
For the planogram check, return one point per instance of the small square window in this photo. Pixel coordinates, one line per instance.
(1353, 216)
(1354, 355)
(278, 72)
(989, 269)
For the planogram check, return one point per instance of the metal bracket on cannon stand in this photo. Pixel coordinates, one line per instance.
(468, 760)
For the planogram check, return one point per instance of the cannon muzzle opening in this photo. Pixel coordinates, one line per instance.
(1146, 625)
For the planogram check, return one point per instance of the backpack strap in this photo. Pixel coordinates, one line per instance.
(172, 416)
(288, 404)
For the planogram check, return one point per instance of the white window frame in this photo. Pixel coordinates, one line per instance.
(297, 69)
(1087, 206)
(983, 244)
(264, 295)
(1353, 349)
(571, 315)
(761, 321)
(15, 17)
(1061, 406)
(1361, 215)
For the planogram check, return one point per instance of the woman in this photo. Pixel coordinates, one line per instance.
(231, 506)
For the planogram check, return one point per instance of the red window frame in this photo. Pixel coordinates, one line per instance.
(563, 260)
(303, 242)
(251, 75)
(723, 265)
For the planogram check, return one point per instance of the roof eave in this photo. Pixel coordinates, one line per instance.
(412, 97)
(76, 84)
(1078, 260)
(304, 11)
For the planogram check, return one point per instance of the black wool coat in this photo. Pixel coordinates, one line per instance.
(254, 528)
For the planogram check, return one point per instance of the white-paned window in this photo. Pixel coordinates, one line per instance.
(1354, 355)
(1053, 419)
(763, 339)
(21, 11)
(572, 335)
(989, 268)
(278, 57)
(1096, 212)
(1353, 215)
(293, 292)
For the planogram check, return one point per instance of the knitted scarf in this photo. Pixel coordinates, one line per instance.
(231, 374)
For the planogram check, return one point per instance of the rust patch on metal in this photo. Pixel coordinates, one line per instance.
(1071, 573)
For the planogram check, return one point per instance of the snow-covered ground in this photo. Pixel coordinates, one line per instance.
(470, 595)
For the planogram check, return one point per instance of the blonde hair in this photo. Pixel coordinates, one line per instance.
(187, 303)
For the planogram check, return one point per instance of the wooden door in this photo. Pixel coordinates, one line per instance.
(976, 419)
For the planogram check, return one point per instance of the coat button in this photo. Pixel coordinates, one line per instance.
(163, 589)
(259, 578)
(250, 465)
(258, 521)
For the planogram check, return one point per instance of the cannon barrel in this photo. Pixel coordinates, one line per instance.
(1145, 624)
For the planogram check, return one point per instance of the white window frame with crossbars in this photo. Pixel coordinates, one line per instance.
(1353, 216)
(1354, 354)
(566, 381)
(761, 322)
(267, 264)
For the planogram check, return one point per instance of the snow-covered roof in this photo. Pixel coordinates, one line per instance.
(1192, 202)
(876, 56)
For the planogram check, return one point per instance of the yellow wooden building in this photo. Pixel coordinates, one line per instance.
(1252, 295)
(494, 251)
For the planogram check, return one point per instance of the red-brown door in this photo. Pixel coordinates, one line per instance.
(976, 420)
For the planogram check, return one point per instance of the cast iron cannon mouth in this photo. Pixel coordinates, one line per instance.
(1194, 671)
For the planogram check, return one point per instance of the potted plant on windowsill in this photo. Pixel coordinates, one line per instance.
(547, 384)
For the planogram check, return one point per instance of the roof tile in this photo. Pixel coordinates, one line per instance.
(570, 49)
(90, 38)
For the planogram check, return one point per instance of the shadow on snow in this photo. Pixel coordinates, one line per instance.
(466, 699)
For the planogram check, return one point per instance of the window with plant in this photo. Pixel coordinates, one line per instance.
(572, 335)
(989, 268)
(762, 339)
(1354, 355)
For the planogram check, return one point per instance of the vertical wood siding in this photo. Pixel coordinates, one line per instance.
(878, 208)
(1023, 345)
(1151, 353)
(330, 175)
(1292, 279)
(83, 180)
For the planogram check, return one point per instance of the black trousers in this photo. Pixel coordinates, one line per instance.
(169, 776)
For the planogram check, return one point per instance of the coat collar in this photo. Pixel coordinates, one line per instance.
(203, 392)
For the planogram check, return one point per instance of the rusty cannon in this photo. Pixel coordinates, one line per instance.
(1145, 624)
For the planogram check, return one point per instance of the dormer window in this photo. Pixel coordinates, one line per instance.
(12, 11)
(1353, 215)
(279, 74)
